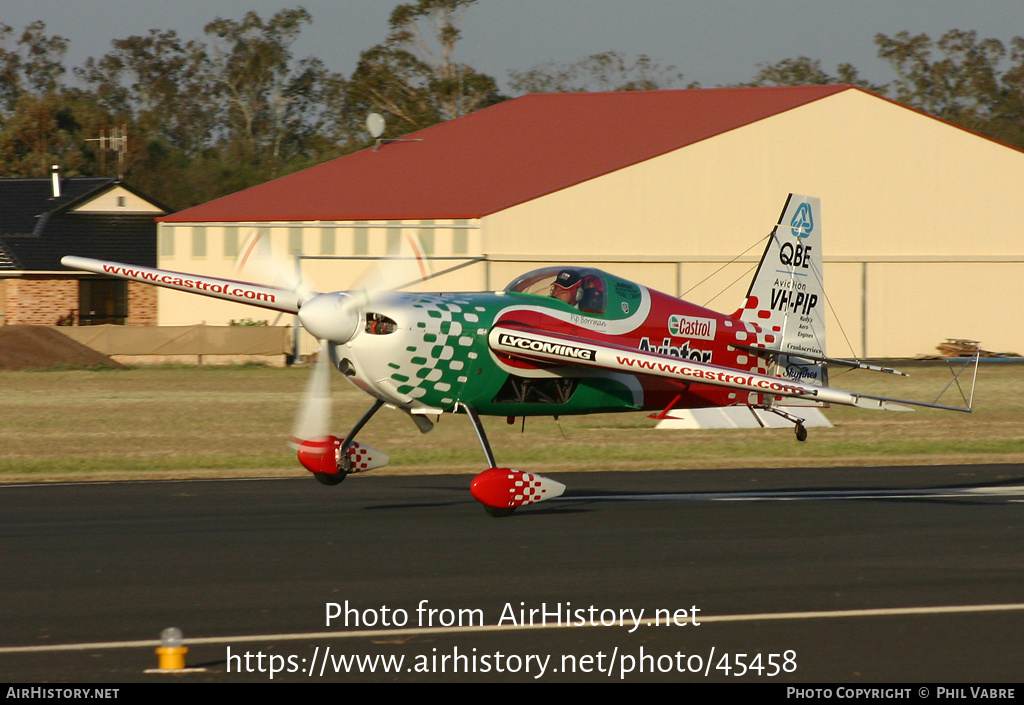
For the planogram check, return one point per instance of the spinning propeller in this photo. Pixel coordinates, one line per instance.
(334, 319)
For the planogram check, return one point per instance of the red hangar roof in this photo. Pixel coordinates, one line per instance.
(504, 155)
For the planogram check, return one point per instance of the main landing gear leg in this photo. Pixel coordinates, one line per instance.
(346, 463)
(474, 418)
(343, 458)
(478, 426)
(502, 490)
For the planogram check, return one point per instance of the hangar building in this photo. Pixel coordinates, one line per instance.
(673, 189)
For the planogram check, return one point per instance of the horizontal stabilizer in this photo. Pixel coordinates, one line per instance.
(882, 404)
(771, 354)
(737, 417)
(532, 344)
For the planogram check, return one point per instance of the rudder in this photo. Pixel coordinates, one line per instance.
(787, 295)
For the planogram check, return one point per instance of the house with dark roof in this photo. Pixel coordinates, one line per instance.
(42, 220)
(673, 189)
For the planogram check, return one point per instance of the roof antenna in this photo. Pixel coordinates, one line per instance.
(375, 126)
(113, 140)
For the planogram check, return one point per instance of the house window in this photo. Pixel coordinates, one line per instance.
(102, 301)
(166, 242)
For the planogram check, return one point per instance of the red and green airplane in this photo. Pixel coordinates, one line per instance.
(557, 341)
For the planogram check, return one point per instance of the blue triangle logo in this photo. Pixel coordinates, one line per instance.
(803, 221)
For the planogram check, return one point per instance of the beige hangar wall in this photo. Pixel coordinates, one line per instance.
(921, 213)
(921, 225)
(213, 249)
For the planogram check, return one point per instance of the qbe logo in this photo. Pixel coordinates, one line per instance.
(803, 221)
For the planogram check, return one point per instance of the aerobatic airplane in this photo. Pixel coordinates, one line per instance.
(557, 341)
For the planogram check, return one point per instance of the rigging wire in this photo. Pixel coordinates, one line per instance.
(726, 264)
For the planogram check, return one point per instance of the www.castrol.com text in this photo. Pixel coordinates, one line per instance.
(555, 349)
(723, 377)
(199, 285)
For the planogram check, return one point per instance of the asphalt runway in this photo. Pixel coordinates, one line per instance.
(851, 575)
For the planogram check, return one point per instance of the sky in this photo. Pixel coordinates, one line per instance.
(713, 42)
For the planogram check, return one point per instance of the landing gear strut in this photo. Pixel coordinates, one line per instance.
(342, 457)
(799, 429)
(503, 490)
(344, 462)
(478, 426)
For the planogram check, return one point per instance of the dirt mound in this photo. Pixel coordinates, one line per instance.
(40, 348)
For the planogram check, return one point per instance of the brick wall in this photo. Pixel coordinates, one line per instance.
(44, 301)
(141, 304)
(40, 301)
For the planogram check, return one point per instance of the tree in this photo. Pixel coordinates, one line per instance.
(48, 129)
(429, 30)
(413, 74)
(35, 67)
(206, 119)
(610, 71)
(158, 84)
(803, 71)
(41, 122)
(273, 106)
(961, 79)
(396, 82)
(961, 86)
(1006, 121)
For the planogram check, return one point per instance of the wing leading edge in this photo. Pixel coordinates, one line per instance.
(531, 344)
(240, 292)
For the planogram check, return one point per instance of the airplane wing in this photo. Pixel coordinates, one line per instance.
(531, 344)
(241, 292)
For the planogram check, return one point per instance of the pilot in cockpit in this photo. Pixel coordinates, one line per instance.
(582, 289)
(567, 287)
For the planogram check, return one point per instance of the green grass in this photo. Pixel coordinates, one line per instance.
(233, 421)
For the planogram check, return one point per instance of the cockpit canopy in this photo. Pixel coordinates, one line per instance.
(580, 287)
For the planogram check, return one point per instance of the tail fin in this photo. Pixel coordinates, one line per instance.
(787, 295)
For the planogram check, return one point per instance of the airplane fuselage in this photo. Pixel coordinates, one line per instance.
(429, 352)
